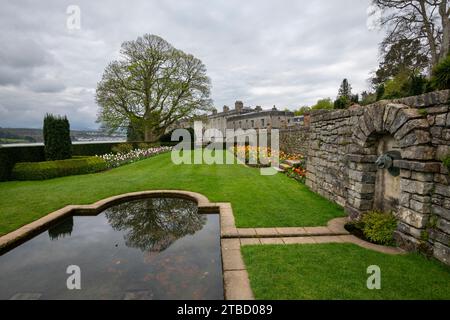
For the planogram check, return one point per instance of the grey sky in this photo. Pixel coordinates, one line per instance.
(286, 53)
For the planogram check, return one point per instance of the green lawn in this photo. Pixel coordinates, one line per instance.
(258, 201)
(339, 271)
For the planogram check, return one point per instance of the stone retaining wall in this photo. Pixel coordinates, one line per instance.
(294, 140)
(342, 147)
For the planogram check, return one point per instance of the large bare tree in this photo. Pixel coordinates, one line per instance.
(427, 21)
(151, 87)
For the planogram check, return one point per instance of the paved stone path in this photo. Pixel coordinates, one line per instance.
(334, 228)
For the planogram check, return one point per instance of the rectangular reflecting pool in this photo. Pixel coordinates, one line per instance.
(156, 248)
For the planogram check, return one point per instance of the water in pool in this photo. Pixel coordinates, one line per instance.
(157, 248)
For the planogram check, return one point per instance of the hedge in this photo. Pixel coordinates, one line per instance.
(59, 168)
(10, 155)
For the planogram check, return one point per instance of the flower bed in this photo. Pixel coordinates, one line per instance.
(298, 170)
(261, 157)
(120, 159)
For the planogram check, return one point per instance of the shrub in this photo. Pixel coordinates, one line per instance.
(58, 145)
(405, 85)
(92, 148)
(446, 162)
(144, 145)
(122, 148)
(322, 104)
(379, 227)
(342, 103)
(59, 168)
(441, 75)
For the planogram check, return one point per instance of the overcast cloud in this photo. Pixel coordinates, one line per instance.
(286, 53)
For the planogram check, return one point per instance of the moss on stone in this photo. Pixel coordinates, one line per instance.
(446, 161)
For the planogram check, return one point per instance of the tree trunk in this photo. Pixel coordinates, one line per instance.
(429, 34)
(444, 13)
(150, 134)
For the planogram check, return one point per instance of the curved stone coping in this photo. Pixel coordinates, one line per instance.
(24, 233)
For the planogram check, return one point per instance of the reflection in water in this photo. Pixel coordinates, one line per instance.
(61, 230)
(154, 224)
(145, 249)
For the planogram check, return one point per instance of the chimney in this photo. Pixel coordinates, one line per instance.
(214, 111)
(258, 109)
(274, 108)
(239, 106)
(226, 109)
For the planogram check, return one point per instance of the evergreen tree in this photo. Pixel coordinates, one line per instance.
(345, 97)
(58, 145)
(345, 90)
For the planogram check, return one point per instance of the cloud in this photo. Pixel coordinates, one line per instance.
(285, 53)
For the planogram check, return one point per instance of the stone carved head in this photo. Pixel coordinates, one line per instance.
(386, 161)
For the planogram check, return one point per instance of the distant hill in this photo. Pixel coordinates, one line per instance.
(26, 135)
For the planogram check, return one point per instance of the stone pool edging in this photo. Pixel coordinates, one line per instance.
(25, 232)
(235, 276)
(236, 282)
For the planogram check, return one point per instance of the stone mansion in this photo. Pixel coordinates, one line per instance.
(248, 118)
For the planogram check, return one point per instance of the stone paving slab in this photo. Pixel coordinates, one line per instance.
(250, 241)
(338, 225)
(237, 285)
(328, 239)
(313, 231)
(291, 231)
(299, 240)
(246, 232)
(266, 231)
(230, 244)
(232, 260)
(229, 232)
(272, 241)
(227, 221)
(292, 162)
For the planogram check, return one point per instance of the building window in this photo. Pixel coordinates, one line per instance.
(253, 123)
(262, 122)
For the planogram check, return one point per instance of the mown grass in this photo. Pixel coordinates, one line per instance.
(258, 201)
(339, 271)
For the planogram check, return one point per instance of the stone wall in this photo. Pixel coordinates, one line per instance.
(294, 140)
(344, 145)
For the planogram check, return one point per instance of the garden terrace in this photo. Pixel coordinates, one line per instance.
(258, 201)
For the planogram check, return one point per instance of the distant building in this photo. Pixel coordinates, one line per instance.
(249, 118)
(299, 120)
